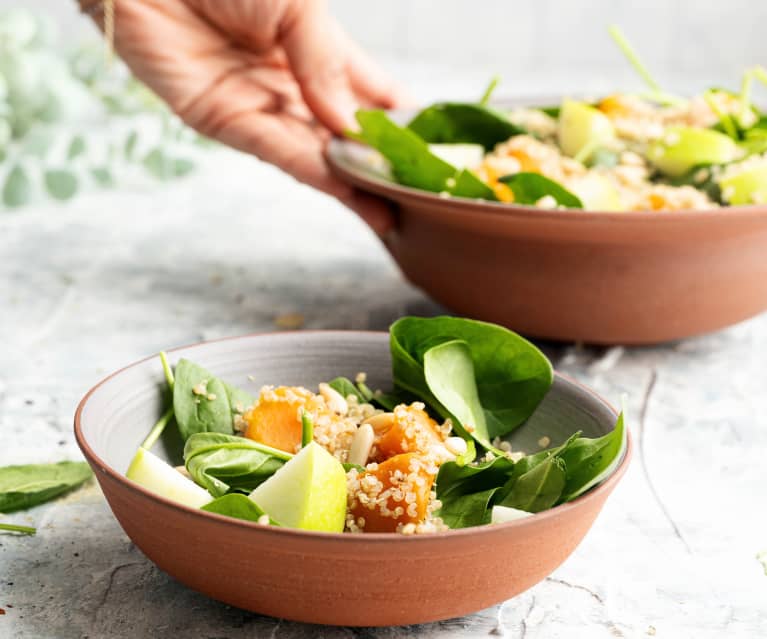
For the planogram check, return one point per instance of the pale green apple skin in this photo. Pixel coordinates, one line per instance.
(461, 156)
(155, 475)
(597, 193)
(746, 187)
(580, 125)
(308, 492)
(683, 148)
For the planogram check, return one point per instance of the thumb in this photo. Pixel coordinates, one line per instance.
(319, 64)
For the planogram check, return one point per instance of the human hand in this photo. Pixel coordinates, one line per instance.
(275, 78)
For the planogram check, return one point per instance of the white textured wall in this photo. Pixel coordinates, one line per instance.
(545, 45)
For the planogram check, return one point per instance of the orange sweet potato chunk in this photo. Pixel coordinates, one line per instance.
(392, 493)
(413, 431)
(275, 420)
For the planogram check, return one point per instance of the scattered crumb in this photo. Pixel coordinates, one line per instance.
(544, 441)
(289, 321)
(216, 279)
(651, 631)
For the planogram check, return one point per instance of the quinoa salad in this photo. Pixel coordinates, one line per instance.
(647, 151)
(428, 455)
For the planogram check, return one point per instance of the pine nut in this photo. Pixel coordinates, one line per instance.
(334, 399)
(361, 445)
(381, 422)
(456, 445)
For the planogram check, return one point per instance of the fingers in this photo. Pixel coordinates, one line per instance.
(318, 61)
(371, 83)
(298, 149)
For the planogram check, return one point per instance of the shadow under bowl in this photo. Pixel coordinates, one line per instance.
(339, 579)
(590, 276)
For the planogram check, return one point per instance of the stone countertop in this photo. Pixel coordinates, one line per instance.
(90, 286)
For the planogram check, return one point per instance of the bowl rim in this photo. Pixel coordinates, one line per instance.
(346, 170)
(593, 493)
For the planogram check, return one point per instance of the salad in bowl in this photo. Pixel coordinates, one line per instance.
(619, 152)
(429, 455)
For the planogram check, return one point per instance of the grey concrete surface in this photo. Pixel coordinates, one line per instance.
(111, 277)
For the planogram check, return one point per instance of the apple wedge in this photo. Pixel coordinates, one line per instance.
(151, 472)
(308, 492)
(582, 126)
(682, 148)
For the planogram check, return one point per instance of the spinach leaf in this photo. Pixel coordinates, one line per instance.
(203, 403)
(511, 375)
(464, 511)
(590, 461)
(238, 506)
(387, 401)
(25, 486)
(539, 488)
(452, 123)
(552, 111)
(412, 163)
(221, 463)
(467, 492)
(467, 184)
(528, 188)
(449, 373)
(346, 387)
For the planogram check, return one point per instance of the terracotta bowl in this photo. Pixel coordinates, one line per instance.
(356, 580)
(604, 278)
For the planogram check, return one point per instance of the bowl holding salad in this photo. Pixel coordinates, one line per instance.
(355, 478)
(625, 217)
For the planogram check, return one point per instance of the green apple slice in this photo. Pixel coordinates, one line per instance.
(596, 192)
(502, 514)
(682, 148)
(151, 472)
(748, 186)
(581, 126)
(461, 156)
(308, 492)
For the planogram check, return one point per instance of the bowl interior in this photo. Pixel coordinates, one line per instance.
(120, 412)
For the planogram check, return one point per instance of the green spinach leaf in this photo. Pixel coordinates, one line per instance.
(473, 509)
(412, 163)
(453, 123)
(345, 387)
(449, 373)
(528, 188)
(25, 486)
(467, 184)
(202, 403)
(511, 375)
(467, 492)
(590, 461)
(238, 506)
(539, 488)
(221, 463)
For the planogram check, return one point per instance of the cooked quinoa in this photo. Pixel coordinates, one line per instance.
(401, 500)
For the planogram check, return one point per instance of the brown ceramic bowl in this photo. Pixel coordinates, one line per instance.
(356, 580)
(597, 277)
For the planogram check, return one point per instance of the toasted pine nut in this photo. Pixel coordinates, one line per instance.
(334, 399)
(456, 445)
(381, 422)
(361, 445)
